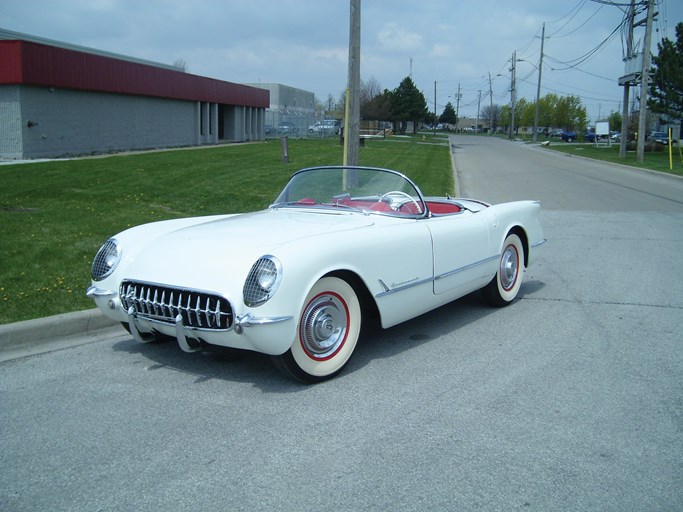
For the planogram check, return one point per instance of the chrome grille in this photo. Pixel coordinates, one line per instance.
(200, 310)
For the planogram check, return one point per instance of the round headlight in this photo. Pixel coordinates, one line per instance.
(262, 281)
(106, 260)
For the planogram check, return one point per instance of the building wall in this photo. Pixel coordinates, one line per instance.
(10, 123)
(288, 105)
(47, 122)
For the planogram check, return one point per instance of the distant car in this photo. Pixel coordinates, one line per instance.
(660, 138)
(325, 126)
(589, 136)
(556, 133)
(295, 281)
(287, 128)
(568, 136)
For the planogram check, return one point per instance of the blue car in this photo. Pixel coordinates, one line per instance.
(569, 136)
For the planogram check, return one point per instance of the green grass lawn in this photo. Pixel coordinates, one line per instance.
(55, 215)
(656, 159)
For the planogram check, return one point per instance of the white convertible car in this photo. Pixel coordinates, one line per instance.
(295, 280)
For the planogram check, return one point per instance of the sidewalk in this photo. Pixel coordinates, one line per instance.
(41, 335)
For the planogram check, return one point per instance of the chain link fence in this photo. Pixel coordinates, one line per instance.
(299, 125)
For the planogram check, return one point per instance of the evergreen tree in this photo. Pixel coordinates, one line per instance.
(408, 104)
(666, 88)
(448, 116)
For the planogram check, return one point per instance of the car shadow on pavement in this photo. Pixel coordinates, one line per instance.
(243, 366)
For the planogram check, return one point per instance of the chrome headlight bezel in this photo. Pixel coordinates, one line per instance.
(262, 281)
(106, 260)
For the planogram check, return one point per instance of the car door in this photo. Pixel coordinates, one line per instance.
(462, 251)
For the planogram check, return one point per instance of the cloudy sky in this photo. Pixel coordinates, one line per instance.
(304, 43)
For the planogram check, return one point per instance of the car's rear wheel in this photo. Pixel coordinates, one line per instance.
(327, 332)
(505, 286)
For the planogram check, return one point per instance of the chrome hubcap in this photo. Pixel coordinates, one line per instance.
(509, 265)
(324, 325)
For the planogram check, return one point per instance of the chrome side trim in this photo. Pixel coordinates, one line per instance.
(466, 267)
(94, 291)
(387, 291)
(249, 320)
(540, 242)
(400, 288)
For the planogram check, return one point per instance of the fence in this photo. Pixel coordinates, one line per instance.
(299, 125)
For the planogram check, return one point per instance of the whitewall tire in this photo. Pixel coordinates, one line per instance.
(327, 332)
(505, 286)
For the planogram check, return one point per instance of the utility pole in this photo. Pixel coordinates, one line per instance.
(644, 84)
(457, 108)
(538, 88)
(625, 112)
(490, 106)
(476, 127)
(513, 94)
(352, 128)
(434, 126)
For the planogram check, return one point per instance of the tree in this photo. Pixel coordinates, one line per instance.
(448, 116)
(666, 88)
(548, 104)
(504, 117)
(614, 120)
(522, 107)
(368, 91)
(570, 114)
(378, 108)
(180, 64)
(408, 104)
(492, 115)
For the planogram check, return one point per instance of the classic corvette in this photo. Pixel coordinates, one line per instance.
(295, 281)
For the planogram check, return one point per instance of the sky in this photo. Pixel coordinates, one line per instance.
(447, 45)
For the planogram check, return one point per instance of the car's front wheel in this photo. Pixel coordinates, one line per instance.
(505, 285)
(327, 333)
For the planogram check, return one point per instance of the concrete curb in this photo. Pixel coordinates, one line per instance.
(27, 335)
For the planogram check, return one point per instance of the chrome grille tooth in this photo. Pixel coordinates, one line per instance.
(197, 311)
(217, 314)
(207, 311)
(188, 309)
(155, 302)
(164, 305)
(143, 300)
(139, 299)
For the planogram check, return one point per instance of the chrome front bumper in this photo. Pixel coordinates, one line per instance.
(188, 336)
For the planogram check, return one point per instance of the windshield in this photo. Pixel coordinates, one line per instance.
(365, 189)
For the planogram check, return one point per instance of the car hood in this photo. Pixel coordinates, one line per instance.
(217, 252)
(266, 229)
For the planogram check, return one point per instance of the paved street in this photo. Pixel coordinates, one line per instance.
(569, 399)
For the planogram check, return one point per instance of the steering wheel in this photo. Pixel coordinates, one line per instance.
(399, 203)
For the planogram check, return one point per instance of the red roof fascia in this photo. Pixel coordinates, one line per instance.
(27, 63)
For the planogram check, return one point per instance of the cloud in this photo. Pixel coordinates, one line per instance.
(392, 37)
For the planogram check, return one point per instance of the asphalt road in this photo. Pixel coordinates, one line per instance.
(569, 399)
